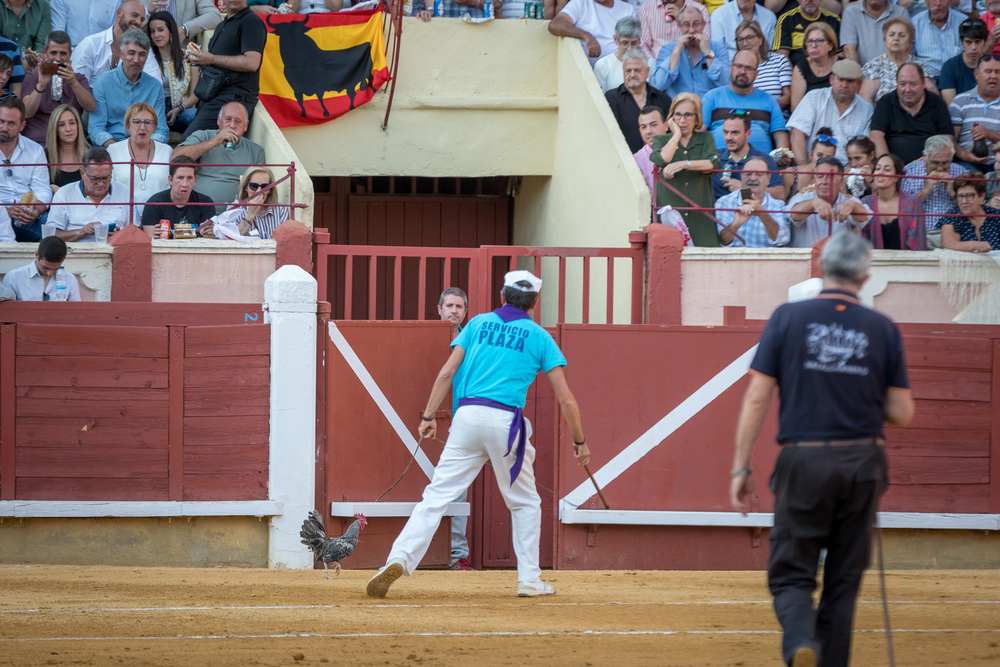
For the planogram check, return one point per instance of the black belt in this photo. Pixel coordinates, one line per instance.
(836, 443)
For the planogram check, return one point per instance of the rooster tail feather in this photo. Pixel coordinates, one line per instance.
(313, 532)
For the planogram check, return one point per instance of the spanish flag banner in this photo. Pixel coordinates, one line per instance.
(317, 67)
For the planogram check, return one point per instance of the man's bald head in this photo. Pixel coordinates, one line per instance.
(233, 116)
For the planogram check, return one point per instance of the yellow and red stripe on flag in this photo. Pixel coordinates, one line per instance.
(317, 67)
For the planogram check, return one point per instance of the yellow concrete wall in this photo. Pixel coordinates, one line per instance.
(277, 150)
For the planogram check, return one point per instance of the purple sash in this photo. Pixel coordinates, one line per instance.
(517, 426)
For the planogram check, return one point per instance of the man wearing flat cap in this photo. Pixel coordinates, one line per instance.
(493, 362)
(838, 107)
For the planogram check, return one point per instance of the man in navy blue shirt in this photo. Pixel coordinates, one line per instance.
(736, 135)
(840, 370)
(958, 74)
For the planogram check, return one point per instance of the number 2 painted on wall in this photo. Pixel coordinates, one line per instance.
(250, 317)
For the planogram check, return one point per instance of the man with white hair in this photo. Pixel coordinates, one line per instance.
(628, 99)
(692, 63)
(593, 23)
(493, 362)
(937, 163)
(608, 69)
(830, 351)
(659, 23)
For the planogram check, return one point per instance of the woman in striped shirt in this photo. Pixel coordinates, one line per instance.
(774, 74)
(257, 219)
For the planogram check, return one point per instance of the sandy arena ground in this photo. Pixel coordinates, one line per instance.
(53, 615)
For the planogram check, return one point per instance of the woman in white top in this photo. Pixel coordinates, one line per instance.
(259, 220)
(179, 76)
(315, 6)
(149, 175)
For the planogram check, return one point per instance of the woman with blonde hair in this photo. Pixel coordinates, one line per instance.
(258, 220)
(65, 144)
(151, 170)
(687, 155)
(813, 71)
(774, 74)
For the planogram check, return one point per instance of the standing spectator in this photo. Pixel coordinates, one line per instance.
(45, 92)
(26, 23)
(65, 145)
(83, 18)
(658, 30)
(236, 50)
(108, 201)
(593, 23)
(119, 89)
(937, 37)
(257, 219)
(976, 114)
(736, 131)
(880, 72)
(826, 210)
(194, 17)
(628, 99)
(979, 228)
(179, 76)
(898, 217)
(21, 180)
(756, 219)
(178, 203)
(958, 74)
(935, 164)
(774, 74)
(687, 155)
(34, 282)
(789, 33)
(101, 53)
(213, 147)
(813, 71)
(904, 120)
(692, 63)
(861, 29)
(608, 69)
(143, 181)
(727, 18)
(651, 125)
(9, 49)
(740, 95)
(838, 107)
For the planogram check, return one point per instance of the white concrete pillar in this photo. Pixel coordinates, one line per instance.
(290, 306)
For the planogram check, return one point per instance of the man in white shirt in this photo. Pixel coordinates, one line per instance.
(838, 107)
(193, 16)
(826, 210)
(609, 69)
(83, 18)
(593, 23)
(37, 281)
(99, 53)
(18, 181)
(728, 17)
(108, 201)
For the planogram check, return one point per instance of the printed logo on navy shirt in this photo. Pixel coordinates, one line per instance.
(832, 346)
(503, 335)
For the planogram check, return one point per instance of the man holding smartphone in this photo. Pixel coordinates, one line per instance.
(52, 84)
(753, 214)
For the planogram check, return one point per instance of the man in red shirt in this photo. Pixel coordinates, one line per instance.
(990, 17)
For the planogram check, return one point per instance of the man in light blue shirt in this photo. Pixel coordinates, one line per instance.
(766, 120)
(83, 18)
(691, 63)
(761, 220)
(936, 37)
(117, 90)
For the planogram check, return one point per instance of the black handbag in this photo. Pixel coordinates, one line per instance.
(210, 82)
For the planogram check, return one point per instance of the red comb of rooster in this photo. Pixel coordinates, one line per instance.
(362, 519)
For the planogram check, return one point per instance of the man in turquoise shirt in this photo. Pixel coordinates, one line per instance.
(493, 362)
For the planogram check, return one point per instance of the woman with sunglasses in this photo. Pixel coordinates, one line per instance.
(258, 220)
(880, 72)
(179, 76)
(978, 228)
(774, 74)
(687, 155)
(898, 219)
(151, 170)
(813, 71)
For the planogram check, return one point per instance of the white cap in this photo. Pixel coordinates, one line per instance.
(517, 276)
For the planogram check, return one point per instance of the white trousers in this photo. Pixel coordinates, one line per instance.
(477, 434)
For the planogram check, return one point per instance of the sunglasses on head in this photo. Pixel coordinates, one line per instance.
(825, 139)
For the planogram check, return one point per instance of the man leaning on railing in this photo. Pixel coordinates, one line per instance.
(109, 201)
(22, 186)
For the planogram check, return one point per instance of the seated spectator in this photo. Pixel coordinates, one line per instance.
(13, 84)
(989, 17)
(45, 92)
(37, 281)
(224, 146)
(861, 28)
(993, 179)
(109, 201)
(904, 120)
(101, 53)
(178, 203)
(838, 108)
(740, 95)
(861, 160)
(736, 131)
(958, 74)
(978, 230)
(6, 232)
(22, 183)
(881, 72)
(660, 23)
(813, 71)
(26, 23)
(449, 9)
(628, 99)
(178, 75)
(143, 181)
(687, 155)
(83, 18)
(897, 216)
(826, 210)
(257, 219)
(194, 18)
(755, 220)
(936, 164)
(593, 23)
(691, 63)
(789, 33)
(727, 18)
(119, 89)
(651, 125)
(65, 146)
(6, 71)
(236, 50)
(825, 145)
(264, 7)
(976, 115)
(936, 35)
(315, 6)
(774, 74)
(608, 69)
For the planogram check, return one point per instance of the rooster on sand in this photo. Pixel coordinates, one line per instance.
(331, 549)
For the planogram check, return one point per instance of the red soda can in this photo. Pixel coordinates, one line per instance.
(221, 4)
(163, 230)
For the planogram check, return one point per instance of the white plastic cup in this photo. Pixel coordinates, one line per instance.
(48, 229)
(101, 233)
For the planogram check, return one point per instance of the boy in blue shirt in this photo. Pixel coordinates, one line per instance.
(493, 362)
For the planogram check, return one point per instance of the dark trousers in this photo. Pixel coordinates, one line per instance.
(824, 497)
(207, 117)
